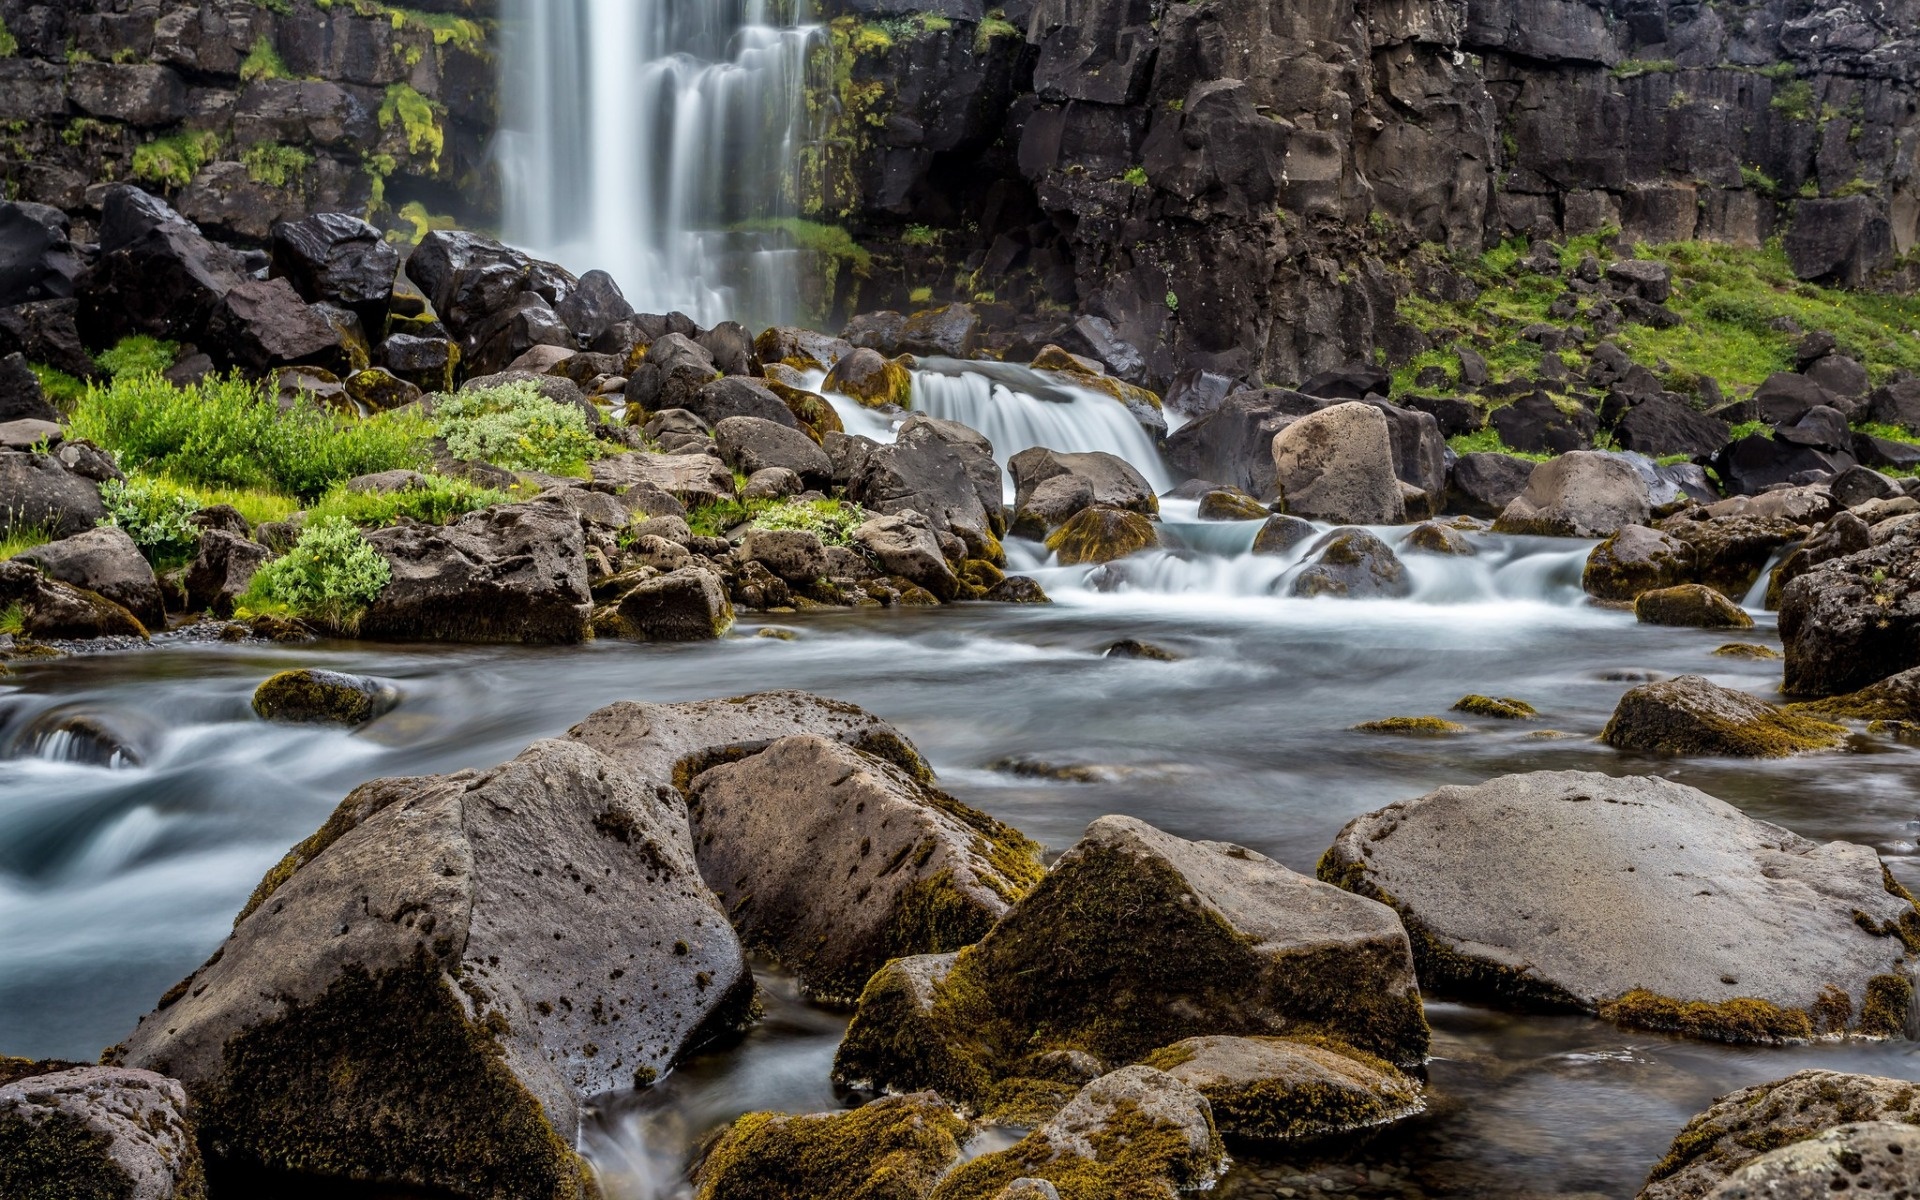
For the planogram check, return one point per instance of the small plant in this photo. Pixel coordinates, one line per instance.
(276, 165)
(1173, 301)
(1757, 180)
(331, 575)
(515, 427)
(174, 161)
(263, 62)
(1794, 100)
(155, 515)
(9, 45)
(920, 235)
(832, 521)
(438, 501)
(24, 537)
(1136, 176)
(62, 389)
(417, 118)
(138, 355)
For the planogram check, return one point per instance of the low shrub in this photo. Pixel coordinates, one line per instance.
(138, 355)
(515, 427)
(830, 520)
(330, 576)
(154, 514)
(436, 503)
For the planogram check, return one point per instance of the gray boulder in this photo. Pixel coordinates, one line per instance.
(222, 568)
(1350, 563)
(686, 605)
(975, 452)
(926, 474)
(1337, 465)
(689, 478)
(54, 611)
(1483, 484)
(906, 547)
(1585, 494)
(1872, 1158)
(426, 991)
(1853, 619)
(41, 492)
(795, 555)
(512, 573)
(1274, 1090)
(1691, 715)
(836, 860)
(104, 560)
(1646, 901)
(738, 396)
(750, 445)
(1050, 487)
(98, 1131)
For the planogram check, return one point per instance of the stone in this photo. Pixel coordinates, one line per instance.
(924, 472)
(222, 568)
(1100, 535)
(1869, 1158)
(1275, 1090)
(1337, 465)
(340, 259)
(1643, 900)
(1351, 563)
(21, 396)
(426, 362)
(871, 379)
(1280, 533)
(1049, 504)
(1103, 479)
(140, 94)
(593, 307)
(1137, 1132)
(1838, 240)
(1662, 425)
(909, 549)
(1482, 484)
(974, 451)
(1581, 494)
(1689, 605)
(378, 390)
(1853, 619)
(469, 279)
(895, 1148)
(1537, 425)
(28, 433)
(98, 1131)
(1652, 281)
(1688, 715)
(687, 605)
(1016, 589)
(1728, 551)
(52, 610)
(1635, 559)
(795, 555)
(1746, 1125)
(1857, 485)
(1432, 537)
(306, 696)
(834, 861)
(104, 561)
(1231, 504)
(156, 274)
(1895, 698)
(950, 330)
(751, 444)
(510, 573)
(451, 915)
(1784, 397)
(37, 261)
(803, 349)
(691, 479)
(771, 483)
(737, 396)
(264, 323)
(1134, 940)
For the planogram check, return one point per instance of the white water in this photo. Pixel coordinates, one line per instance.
(654, 140)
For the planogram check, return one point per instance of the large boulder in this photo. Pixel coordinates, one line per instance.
(750, 444)
(905, 545)
(1582, 494)
(22, 398)
(1691, 715)
(686, 605)
(1744, 1125)
(835, 861)
(738, 396)
(1100, 535)
(1101, 478)
(1135, 940)
(340, 259)
(264, 323)
(1275, 1090)
(1483, 484)
(155, 274)
(872, 379)
(1853, 619)
(37, 261)
(468, 278)
(1337, 465)
(925, 472)
(1662, 425)
(426, 991)
(52, 610)
(690, 479)
(1635, 559)
(104, 560)
(1727, 551)
(1691, 606)
(511, 573)
(1351, 563)
(91, 1132)
(895, 1148)
(1873, 1158)
(1646, 901)
(40, 493)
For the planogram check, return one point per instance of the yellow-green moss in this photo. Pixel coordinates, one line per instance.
(175, 160)
(892, 1149)
(1413, 726)
(319, 697)
(418, 118)
(1099, 535)
(1504, 708)
(1134, 1158)
(1742, 1019)
(1752, 650)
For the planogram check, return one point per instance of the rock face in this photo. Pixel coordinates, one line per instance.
(425, 990)
(1646, 901)
(1337, 465)
(1744, 1125)
(1692, 715)
(222, 568)
(1874, 1158)
(1582, 494)
(104, 561)
(1272, 1089)
(38, 491)
(1135, 1133)
(98, 1131)
(50, 609)
(1135, 940)
(893, 1149)
(512, 573)
(1851, 620)
(308, 696)
(836, 861)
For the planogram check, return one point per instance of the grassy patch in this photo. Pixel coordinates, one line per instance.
(63, 390)
(175, 160)
(418, 119)
(139, 355)
(331, 575)
(263, 62)
(438, 502)
(829, 240)
(276, 165)
(515, 427)
(832, 521)
(1486, 441)
(1891, 433)
(24, 537)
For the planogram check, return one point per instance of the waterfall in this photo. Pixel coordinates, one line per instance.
(655, 140)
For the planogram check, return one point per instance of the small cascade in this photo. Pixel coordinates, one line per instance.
(655, 140)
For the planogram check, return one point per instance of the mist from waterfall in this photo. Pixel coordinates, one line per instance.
(655, 140)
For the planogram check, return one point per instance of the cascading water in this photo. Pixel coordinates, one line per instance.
(654, 140)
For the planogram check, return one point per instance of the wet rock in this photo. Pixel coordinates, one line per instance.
(263, 323)
(836, 861)
(1728, 551)
(511, 573)
(222, 568)
(1646, 901)
(1635, 559)
(1431, 537)
(1135, 648)
(1852, 620)
(930, 471)
(53, 611)
(37, 261)
(594, 307)
(795, 555)
(1412, 727)
(895, 1148)
(1050, 487)
(1744, 1125)
(1231, 504)
(803, 349)
(380, 390)
(308, 696)
(1337, 465)
(1503, 708)
(425, 362)
(669, 373)
(40, 492)
(909, 549)
(1281, 533)
(1275, 1090)
(469, 279)
(872, 379)
(155, 274)
(1873, 1158)
(492, 923)
(98, 1131)
(1581, 494)
(1689, 605)
(1137, 1132)
(1135, 940)
(1351, 563)
(738, 396)
(949, 330)
(1016, 589)
(1049, 504)
(1100, 535)
(750, 445)
(1749, 650)
(104, 561)
(687, 605)
(1483, 484)
(1690, 715)
(340, 259)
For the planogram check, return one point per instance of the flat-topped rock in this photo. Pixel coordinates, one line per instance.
(1274, 1089)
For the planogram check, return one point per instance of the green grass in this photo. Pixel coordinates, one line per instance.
(138, 355)
(24, 537)
(63, 390)
(515, 427)
(276, 165)
(833, 521)
(440, 501)
(232, 433)
(1891, 433)
(263, 62)
(176, 159)
(1486, 441)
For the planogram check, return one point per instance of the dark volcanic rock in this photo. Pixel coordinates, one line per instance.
(339, 259)
(514, 573)
(155, 275)
(1851, 620)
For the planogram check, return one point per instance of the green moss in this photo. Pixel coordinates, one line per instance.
(173, 161)
(63, 390)
(1505, 708)
(1650, 726)
(385, 1078)
(317, 697)
(1486, 441)
(991, 30)
(1794, 100)
(1413, 726)
(263, 62)
(1098, 535)
(892, 1149)
(1134, 1157)
(418, 118)
(276, 165)
(1752, 650)
(9, 45)
(1743, 1019)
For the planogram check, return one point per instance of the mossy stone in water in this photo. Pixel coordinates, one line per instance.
(872, 379)
(1276, 1089)
(1016, 589)
(1135, 648)
(1690, 715)
(892, 1149)
(309, 696)
(1752, 650)
(1098, 535)
(1231, 504)
(1895, 698)
(1412, 726)
(1691, 606)
(1503, 708)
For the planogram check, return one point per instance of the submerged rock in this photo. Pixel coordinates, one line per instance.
(1690, 714)
(1648, 902)
(1743, 1125)
(837, 860)
(1691, 606)
(1504, 708)
(1273, 1089)
(896, 1148)
(1135, 648)
(1412, 726)
(91, 1132)
(309, 696)
(426, 990)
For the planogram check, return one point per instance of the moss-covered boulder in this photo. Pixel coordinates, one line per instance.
(1231, 504)
(97, 1133)
(1747, 650)
(1743, 1125)
(1727, 550)
(1645, 901)
(1428, 726)
(1434, 537)
(835, 860)
(1500, 708)
(1276, 1089)
(1690, 606)
(1691, 715)
(1353, 564)
(872, 379)
(1137, 1134)
(892, 1149)
(687, 605)
(51, 610)
(1868, 1158)
(1099, 535)
(425, 991)
(1135, 940)
(314, 697)
(1635, 559)
(1895, 698)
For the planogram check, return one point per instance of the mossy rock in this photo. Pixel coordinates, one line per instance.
(97, 1133)
(892, 1149)
(1749, 650)
(1502, 708)
(1100, 535)
(1135, 940)
(1017, 589)
(1412, 726)
(1433, 537)
(1690, 715)
(315, 697)
(1636, 559)
(1231, 504)
(871, 379)
(1895, 698)
(1278, 1090)
(1135, 648)
(1691, 606)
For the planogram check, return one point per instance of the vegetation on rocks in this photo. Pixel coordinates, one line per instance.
(892, 1149)
(434, 499)
(515, 427)
(331, 575)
